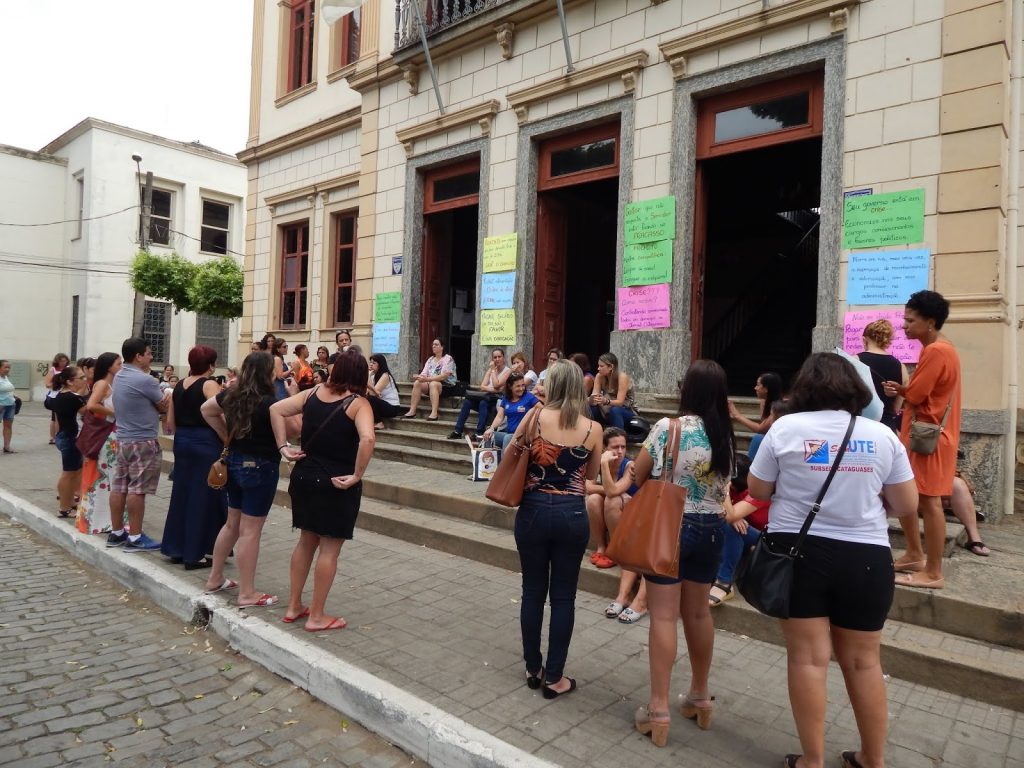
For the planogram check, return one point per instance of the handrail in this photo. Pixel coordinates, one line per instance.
(438, 15)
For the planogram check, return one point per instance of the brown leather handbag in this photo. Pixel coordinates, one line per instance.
(506, 485)
(646, 539)
(217, 477)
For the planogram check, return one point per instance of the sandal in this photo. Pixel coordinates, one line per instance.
(653, 724)
(691, 710)
(977, 548)
(849, 759)
(726, 593)
(601, 560)
(629, 616)
(614, 609)
(789, 761)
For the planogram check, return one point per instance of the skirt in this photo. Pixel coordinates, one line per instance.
(317, 506)
(94, 507)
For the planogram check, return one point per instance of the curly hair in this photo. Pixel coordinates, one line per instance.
(880, 332)
(930, 305)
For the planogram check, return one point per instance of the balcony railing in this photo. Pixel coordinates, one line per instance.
(438, 15)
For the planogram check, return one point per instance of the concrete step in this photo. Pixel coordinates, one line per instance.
(428, 441)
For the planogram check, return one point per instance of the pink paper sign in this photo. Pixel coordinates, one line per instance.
(643, 306)
(903, 349)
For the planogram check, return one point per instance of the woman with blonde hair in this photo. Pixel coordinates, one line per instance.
(884, 367)
(551, 526)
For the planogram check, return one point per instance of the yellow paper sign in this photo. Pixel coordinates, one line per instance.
(500, 253)
(497, 326)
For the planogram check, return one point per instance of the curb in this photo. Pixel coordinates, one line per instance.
(409, 722)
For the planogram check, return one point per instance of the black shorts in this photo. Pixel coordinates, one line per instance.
(852, 584)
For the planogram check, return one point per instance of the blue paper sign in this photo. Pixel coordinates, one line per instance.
(385, 338)
(497, 290)
(886, 277)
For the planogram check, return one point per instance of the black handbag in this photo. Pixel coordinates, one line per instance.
(765, 574)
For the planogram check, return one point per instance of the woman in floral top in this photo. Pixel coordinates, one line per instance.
(706, 448)
(437, 379)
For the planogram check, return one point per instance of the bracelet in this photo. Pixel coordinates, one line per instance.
(282, 447)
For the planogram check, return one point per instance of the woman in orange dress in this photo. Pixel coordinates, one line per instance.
(933, 388)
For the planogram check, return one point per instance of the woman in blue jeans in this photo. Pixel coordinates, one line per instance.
(612, 402)
(552, 528)
(703, 467)
(241, 414)
(745, 519)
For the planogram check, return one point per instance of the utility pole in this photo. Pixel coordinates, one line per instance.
(139, 313)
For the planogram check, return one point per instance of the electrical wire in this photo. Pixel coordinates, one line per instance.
(199, 240)
(71, 221)
(38, 265)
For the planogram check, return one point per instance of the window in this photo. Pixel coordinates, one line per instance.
(452, 186)
(764, 117)
(213, 236)
(348, 38)
(300, 43)
(344, 267)
(213, 332)
(159, 217)
(74, 327)
(156, 329)
(580, 157)
(294, 274)
(80, 194)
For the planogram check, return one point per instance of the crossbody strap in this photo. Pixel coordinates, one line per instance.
(795, 549)
(945, 415)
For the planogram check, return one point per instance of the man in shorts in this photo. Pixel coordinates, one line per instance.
(138, 403)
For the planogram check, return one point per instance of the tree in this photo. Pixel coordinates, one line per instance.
(163, 277)
(213, 288)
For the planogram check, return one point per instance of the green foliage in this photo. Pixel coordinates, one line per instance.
(213, 288)
(217, 288)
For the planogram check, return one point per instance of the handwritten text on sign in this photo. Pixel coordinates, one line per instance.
(902, 348)
(500, 253)
(886, 277)
(649, 220)
(497, 290)
(498, 326)
(647, 263)
(387, 307)
(893, 218)
(385, 338)
(643, 307)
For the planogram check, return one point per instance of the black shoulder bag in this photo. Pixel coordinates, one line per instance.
(765, 575)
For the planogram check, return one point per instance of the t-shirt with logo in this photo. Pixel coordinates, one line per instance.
(796, 455)
(515, 412)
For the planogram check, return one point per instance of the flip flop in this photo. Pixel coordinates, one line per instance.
(629, 616)
(910, 580)
(913, 567)
(977, 548)
(335, 624)
(293, 619)
(613, 610)
(228, 584)
(601, 560)
(264, 601)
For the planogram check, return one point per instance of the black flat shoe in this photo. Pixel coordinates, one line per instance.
(175, 560)
(204, 563)
(408, 416)
(789, 761)
(551, 693)
(533, 682)
(849, 759)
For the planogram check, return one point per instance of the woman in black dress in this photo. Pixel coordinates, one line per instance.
(884, 367)
(326, 483)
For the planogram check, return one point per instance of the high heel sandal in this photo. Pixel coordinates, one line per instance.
(533, 681)
(657, 729)
(689, 709)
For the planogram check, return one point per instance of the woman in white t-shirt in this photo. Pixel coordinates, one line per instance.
(842, 581)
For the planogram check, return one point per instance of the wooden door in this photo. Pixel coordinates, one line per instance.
(700, 231)
(434, 306)
(549, 303)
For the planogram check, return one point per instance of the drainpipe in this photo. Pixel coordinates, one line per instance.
(1013, 251)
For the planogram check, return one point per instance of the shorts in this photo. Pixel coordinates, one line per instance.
(252, 483)
(850, 583)
(700, 550)
(70, 456)
(7, 412)
(137, 470)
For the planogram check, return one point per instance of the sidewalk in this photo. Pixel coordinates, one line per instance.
(431, 658)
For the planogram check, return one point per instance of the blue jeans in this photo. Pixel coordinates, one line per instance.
(618, 415)
(551, 532)
(482, 406)
(700, 548)
(733, 548)
(755, 443)
(252, 483)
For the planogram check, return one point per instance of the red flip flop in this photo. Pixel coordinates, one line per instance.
(335, 624)
(293, 619)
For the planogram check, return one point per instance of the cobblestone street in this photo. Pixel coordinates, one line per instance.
(91, 675)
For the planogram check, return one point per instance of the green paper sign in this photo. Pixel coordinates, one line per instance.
(500, 253)
(892, 218)
(650, 220)
(497, 326)
(387, 307)
(647, 263)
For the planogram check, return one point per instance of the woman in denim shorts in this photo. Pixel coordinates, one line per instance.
(706, 448)
(71, 384)
(242, 414)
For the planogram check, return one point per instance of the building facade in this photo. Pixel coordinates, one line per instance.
(744, 128)
(70, 279)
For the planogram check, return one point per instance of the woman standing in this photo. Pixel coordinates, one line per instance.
(241, 415)
(7, 404)
(323, 360)
(612, 402)
(326, 484)
(281, 370)
(382, 393)
(933, 394)
(94, 508)
(706, 447)
(551, 527)
(884, 367)
(437, 379)
(60, 362)
(196, 512)
(301, 369)
(66, 405)
(843, 580)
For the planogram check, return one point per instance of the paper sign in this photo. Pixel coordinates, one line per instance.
(385, 338)
(892, 218)
(497, 326)
(650, 220)
(500, 253)
(886, 277)
(647, 263)
(387, 307)
(903, 349)
(497, 289)
(643, 307)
